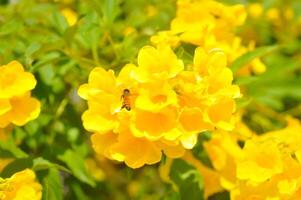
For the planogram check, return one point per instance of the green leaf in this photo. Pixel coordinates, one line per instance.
(47, 73)
(16, 166)
(41, 163)
(11, 147)
(249, 56)
(188, 180)
(110, 10)
(77, 165)
(10, 27)
(52, 185)
(78, 191)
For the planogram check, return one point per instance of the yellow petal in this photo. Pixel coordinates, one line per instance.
(4, 106)
(24, 109)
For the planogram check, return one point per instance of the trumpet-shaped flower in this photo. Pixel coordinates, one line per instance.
(16, 104)
(21, 186)
(157, 64)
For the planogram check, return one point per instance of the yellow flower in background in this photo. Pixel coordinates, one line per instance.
(193, 17)
(16, 104)
(21, 186)
(165, 38)
(255, 166)
(151, 11)
(14, 81)
(93, 167)
(255, 10)
(129, 30)
(273, 14)
(210, 24)
(202, 21)
(157, 106)
(270, 166)
(70, 16)
(223, 152)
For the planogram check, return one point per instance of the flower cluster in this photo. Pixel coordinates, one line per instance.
(158, 105)
(16, 104)
(267, 167)
(21, 186)
(270, 167)
(210, 24)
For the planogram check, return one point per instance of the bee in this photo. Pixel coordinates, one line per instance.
(126, 103)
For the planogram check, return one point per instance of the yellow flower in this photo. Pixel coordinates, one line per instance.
(194, 18)
(255, 10)
(255, 166)
(258, 67)
(93, 167)
(14, 81)
(104, 101)
(151, 10)
(273, 14)
(70, 16)
(223, 152)
(21, 186)
(155, 125)
(165, 38)
(135, 152)
(156, 96)
(129, 30)
(157, 64)
(16, 104)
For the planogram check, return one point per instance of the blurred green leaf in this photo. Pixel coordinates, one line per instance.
(110, 10)
(10, 27)
(10, 146)
(47, 74)
(16, 166)
(41, 163)
(251, 55)
(188, 180)
(77, 165)
(52, 185)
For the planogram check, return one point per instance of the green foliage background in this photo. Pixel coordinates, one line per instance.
(56, 146)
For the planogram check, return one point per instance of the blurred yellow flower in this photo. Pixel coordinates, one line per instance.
(165, 38)
(70, 16)
(270, 166)
(273, 14)
(223, 152)
(255, 166)
(16, 104)
(255, 10)
(210, 24)
(93, 167)
(129, 30)
(21, 186)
